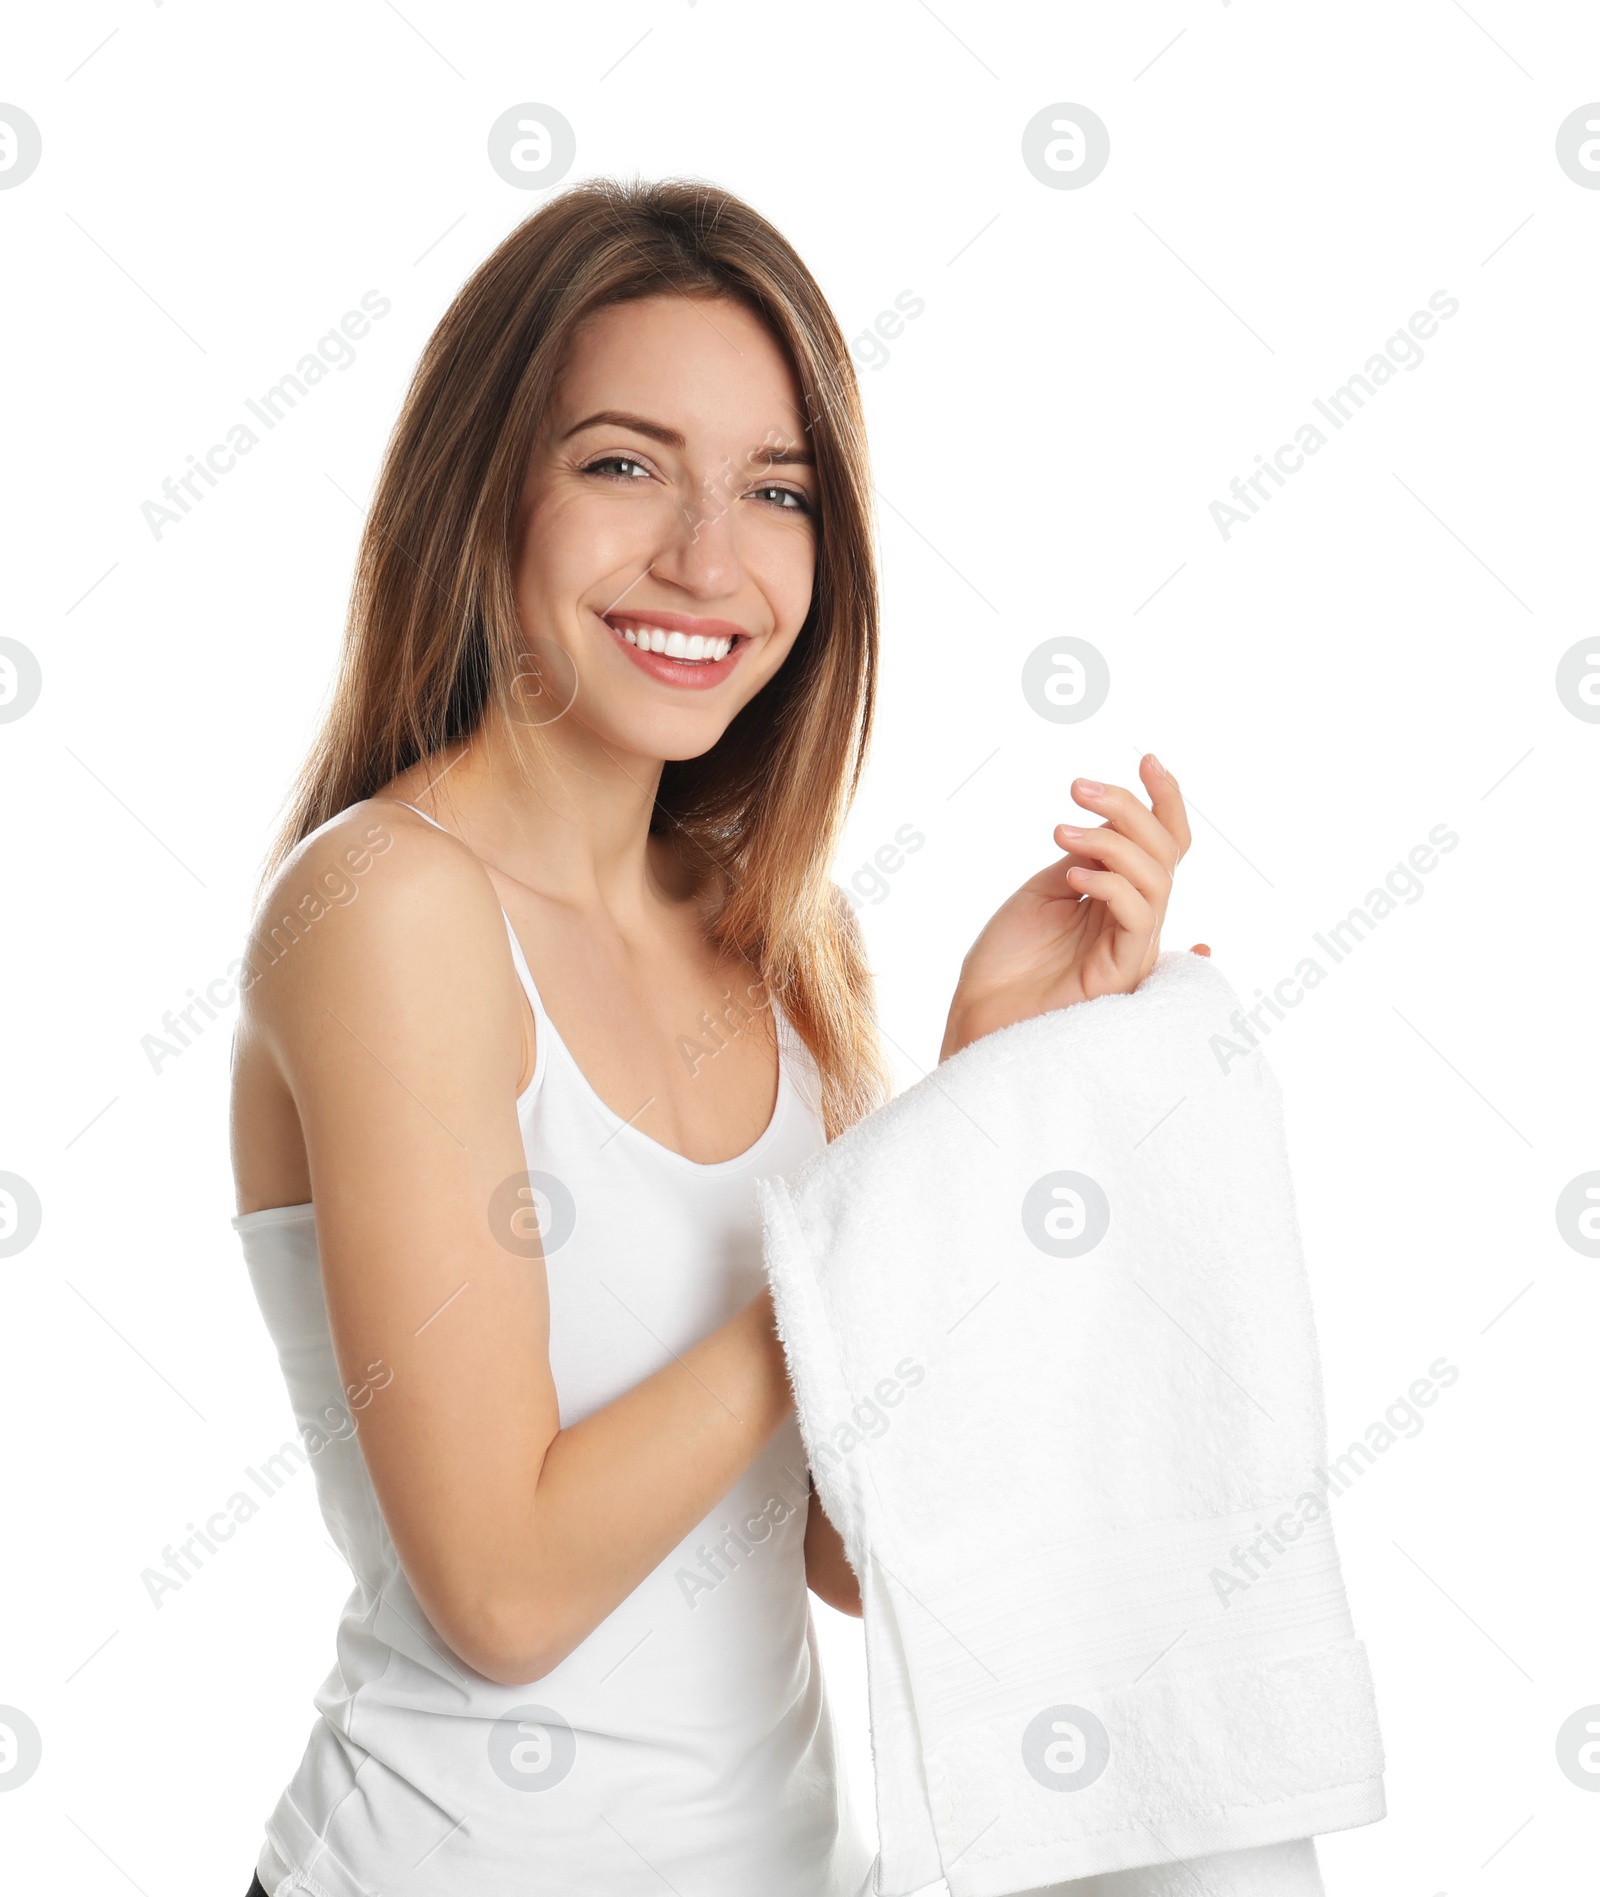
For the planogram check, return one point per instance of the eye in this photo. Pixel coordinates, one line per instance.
(786, 496)
(617, 461)
(786, 499)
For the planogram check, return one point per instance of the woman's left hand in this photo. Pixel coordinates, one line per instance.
(1089, 924)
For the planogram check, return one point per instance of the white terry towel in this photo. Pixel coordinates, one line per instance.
(1048, 1326)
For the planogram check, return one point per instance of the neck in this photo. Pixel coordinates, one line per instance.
(557, 809)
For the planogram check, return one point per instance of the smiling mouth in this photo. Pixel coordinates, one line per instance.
(687, 648)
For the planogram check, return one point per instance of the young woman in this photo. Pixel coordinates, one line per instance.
(605, 697)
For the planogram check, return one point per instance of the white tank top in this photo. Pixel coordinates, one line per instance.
(687, 1744)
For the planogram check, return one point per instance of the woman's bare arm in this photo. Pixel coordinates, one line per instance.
(395, 1022)
(829, 1574)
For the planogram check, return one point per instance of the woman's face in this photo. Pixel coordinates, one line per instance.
(673, 495)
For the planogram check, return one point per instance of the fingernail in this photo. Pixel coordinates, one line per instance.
(1156, 762)
(1090, 788)
(1068, 830)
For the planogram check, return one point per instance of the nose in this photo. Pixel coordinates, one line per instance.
(701, 553)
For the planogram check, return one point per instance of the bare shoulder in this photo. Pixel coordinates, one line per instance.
(377, 897)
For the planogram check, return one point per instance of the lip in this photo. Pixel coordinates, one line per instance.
(677, 622)
(686, 676)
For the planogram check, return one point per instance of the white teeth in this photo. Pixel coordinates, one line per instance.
(695, 647)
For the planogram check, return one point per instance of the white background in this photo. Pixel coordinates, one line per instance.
(1372, 655)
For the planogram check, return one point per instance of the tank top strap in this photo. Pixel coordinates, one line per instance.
(525, 974)
(424, 816)
(788, 1034)
(518, 958)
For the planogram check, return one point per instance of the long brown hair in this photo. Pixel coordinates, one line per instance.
(433, 642)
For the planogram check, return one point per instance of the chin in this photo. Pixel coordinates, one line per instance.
(670, 739)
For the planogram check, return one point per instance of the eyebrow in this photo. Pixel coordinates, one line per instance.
(670, 438)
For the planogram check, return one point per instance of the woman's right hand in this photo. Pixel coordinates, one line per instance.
(1086, 925)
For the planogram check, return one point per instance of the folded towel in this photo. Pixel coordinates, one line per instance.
(1265, 1870)
(1048, 1327)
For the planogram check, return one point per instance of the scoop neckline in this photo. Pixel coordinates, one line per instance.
(293, 1214)
(546, 1032)
(619, 1125)
(547, 1035)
